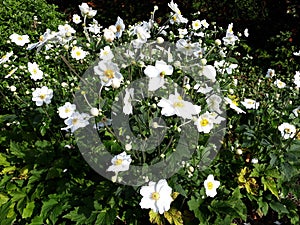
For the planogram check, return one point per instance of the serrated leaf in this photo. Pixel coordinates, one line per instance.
(3, 161)
(3, 199)
(47, 206)
(28, 210)
(269, 184)
(155, 218)
(106, 217)
(75, 216)
(194, 205)
(174, 216)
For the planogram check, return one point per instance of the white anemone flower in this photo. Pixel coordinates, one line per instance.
(36, 73)
(209, 72)
(287, 130)
(75, 121)
(77, 53)
(196, 24)
(250, 103)
(297, 111)
(108, 35)
(270, 73)
(20, 40)
(156, 74)
(297, 79)
(213, 102)
(94, 27)
(233, 105)
(156, 196)
(6, 57)
(127, 108)
(204, 89)
(43, 39)
(76, 19)
(211, 186)
(42, 95)
(120, 26)
(205, 123)
(87, 11)
(280, 84)
(204, 23)
(66, 110)
(106, 53)
(186, 47)
(216, 118)
(175, 105)
(120, 163)
(108, 72)
(230, 38)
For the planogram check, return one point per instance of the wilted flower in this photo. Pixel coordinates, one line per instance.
(211, 186)
(42, 95)
(287, 130)
(120, 163)
(20, 40)
(156, 196)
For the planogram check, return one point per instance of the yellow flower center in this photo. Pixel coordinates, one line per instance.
(109, 73)
(235, 102)
(42, 96)
(74, 121)
(204, 122)
(67, 110)
(41, 38)
(178, 104)
(34, 71)
(155, 196)
(162, 74)
(287, 130)
(118, 162)
(20, 38)
(78, 53)
(210, 185)
(118, 28)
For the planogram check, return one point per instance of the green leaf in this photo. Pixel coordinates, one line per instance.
(27, 212)
(106, 217)
(3, 161)
(47, 206)
(3, 199)
(194, 205)
(278, 207)
(76, 217)
(269, 184)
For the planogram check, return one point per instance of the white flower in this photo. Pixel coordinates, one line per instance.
(287, 130)
(250, 103)
(230, 68)
(76, 19)
(43, 39)
(64, 34)
(94, 111)
(106, 53)
(156, 196)
(109, 35)
(76, 120)
(209, 72)
(186, 47)
(234, 105)
(213, 102)
(6, 57)
(246, 32)
(120, 26)
(77, 53)
(108, 72)
(270, 73)
(20, 40)
(296, 111)
(142, 32)
(279, 84)
(296, 53)
(87, 11)
(120, 163)
(204, 23)
(156, 74)
(66, 110)
(127, 108)
(211, 186)
(42, 95)
(182, 32)
(176, 17)
(205, 123)
(204, 89)
(196, 25)
(216, 118)
(36, 73)
(297, 79)
(175, 105)
(94, 27)
(230, 38)
(254, 160)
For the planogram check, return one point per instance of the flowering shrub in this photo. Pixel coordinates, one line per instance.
(176, 112)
